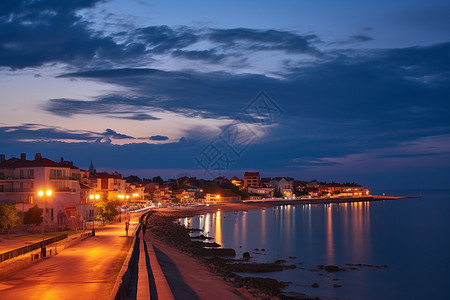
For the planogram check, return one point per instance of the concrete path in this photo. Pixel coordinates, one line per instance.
(86, 270)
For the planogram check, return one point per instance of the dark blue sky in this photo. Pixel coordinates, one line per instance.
(351, 91)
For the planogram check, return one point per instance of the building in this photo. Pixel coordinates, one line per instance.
(251, 179)
(257, 193)
(265, 181)
(21, 179)
(283, 185)
(225, 196)
(342, 190)
(237, 182)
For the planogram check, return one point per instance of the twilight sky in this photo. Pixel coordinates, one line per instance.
(329, 90)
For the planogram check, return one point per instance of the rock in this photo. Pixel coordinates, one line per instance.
(315, 285)
(264, 284)
(218, 252)
(280, 261)
(205, 244)
(330, 268)
(336, 285)
(246, 255)
(201, 237)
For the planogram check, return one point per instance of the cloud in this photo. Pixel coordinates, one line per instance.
(205, 55)
(137, 117)
(264, 40)
(346, 95)
(158, 138)
(410, 155)
(33, 33)
(114, 134)
(161, 39)
(361, 38)
(31, 133)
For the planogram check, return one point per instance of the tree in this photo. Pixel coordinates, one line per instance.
(158, 179)
(9, 217)
(33, 216)
(106, 210)
(277, 193)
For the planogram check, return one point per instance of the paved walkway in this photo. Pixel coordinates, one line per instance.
(85, 270)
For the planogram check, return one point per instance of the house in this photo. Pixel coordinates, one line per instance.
(265, 181)
(221, 180)
(181, 195)
(104, 182)
(237, 182)
(224, 196)
(283, 185)
(251, 179)
(160, 193)
(21, 179)
(257, 193)
(342, 190)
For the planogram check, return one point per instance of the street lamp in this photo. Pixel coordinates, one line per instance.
(43, 194)
(92, 197)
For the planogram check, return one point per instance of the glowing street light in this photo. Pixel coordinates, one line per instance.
(44, 194)
(92, 197)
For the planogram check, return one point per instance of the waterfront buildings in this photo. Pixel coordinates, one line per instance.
(74, 190)
(251, 179)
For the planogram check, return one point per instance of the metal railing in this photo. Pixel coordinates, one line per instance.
(20, 251)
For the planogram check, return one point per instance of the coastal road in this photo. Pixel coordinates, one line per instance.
(87, 270)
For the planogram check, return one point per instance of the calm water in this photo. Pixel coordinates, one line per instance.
(410, 236)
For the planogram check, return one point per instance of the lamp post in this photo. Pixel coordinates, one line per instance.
(92, 197)
(43, 194)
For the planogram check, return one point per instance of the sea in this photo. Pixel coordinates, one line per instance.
(392, 249)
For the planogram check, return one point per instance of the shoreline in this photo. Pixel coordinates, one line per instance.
(167, 231)
(187, 211)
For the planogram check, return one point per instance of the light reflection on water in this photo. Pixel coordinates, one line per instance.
(338, 234)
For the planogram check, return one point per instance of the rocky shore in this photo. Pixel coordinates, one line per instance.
(162, 225)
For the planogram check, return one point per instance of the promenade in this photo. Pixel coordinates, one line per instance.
(86, 270)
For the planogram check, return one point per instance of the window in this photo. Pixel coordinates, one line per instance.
(57, 174)
(27, 174)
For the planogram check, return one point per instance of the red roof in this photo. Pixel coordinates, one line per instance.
(105, 175)
(19, 163)
(251, 174)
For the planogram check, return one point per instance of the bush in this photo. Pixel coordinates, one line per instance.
(33, 216)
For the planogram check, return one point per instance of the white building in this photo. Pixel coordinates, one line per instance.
(284, 185)
(21, 179)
